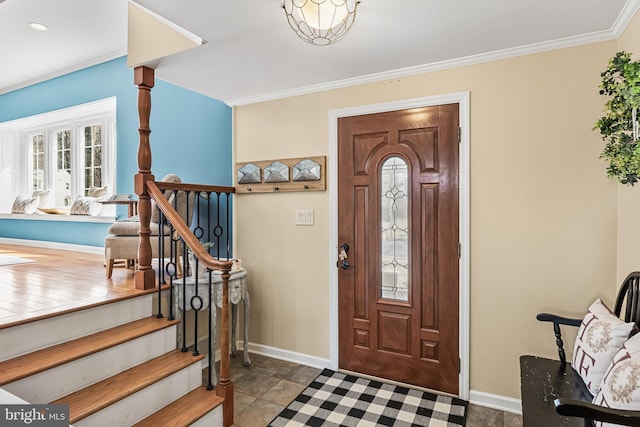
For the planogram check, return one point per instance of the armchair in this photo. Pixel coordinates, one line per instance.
(123, 239)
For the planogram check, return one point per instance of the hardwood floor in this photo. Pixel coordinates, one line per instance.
(57, 281)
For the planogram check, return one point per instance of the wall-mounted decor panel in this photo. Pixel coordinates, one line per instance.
(282, 175)
(249, 174)
(306, 170)
(276, 172)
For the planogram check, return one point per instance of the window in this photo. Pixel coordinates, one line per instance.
(92, 156)
(62, 179)
(394, 229)
(36, 160)
(66, 152)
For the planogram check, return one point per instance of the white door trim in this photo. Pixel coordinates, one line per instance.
(462, 98)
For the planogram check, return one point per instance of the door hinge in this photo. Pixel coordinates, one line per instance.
(459, 134)
(459, 365)
(459, 250)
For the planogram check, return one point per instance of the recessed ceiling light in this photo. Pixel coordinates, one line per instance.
(38, 26)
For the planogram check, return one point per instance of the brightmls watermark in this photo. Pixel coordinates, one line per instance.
(34, 415)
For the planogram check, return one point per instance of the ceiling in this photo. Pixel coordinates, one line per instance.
(252, 54)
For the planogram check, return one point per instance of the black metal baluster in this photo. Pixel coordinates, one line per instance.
(160, 261)
(184, 281)
(172, 268)
(228, 229)
(218, 229)
(212, 306)
(196, 300)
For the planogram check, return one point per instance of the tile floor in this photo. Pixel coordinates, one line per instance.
(269, 385)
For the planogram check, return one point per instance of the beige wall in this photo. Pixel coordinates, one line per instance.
(543, 213)
(629, 197)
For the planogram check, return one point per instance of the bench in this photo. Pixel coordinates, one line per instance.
(553, 394)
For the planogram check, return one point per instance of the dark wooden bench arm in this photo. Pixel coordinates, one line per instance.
(590, 411)
(547, 317)
(557, 321)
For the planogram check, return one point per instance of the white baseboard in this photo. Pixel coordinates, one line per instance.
(265, 350)
(53, 245)
(479, 398)
(290, 356)
(495, 401)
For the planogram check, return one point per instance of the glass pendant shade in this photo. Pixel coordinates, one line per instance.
(321, 22)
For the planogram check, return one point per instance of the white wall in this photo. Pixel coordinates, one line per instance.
(8, 160)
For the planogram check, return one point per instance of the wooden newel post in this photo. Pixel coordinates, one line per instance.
(225, 386)
(144, 276)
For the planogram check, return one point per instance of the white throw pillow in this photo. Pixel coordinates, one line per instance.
(86, 206)
(43, 197)
(155, 213)
(25, 205)
(600, 336)
(168, 194)
(97, 192)
(620, 386)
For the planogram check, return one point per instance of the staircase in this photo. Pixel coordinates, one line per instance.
(114, 365)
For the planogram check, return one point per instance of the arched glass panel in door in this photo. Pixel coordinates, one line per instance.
(394, 228)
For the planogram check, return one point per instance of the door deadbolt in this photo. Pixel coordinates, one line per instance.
(343, 256)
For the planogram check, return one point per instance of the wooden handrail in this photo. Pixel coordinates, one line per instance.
(180, 226)
(180, 186)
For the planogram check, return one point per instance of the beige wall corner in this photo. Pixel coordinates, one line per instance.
(151, 37)
(628, 231)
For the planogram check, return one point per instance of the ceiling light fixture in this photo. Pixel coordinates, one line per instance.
(38, 26)
(321, 22)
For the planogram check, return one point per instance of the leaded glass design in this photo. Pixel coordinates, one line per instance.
(276, 172)
(249, 174)
(394, 227)
(306, 170)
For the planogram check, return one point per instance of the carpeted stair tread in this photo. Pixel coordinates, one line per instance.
(92, 399)
(184, 411)
(50, 357)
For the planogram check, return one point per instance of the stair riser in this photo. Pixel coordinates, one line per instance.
(143, 403)
(7, 398)
(62, 380)
(212, 419)
(25, 338)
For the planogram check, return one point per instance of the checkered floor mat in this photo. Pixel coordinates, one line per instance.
(336, 399)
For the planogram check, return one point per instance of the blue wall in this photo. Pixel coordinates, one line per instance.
(190, 136)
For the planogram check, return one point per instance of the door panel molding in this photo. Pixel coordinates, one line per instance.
(461, 98)
(393, 243)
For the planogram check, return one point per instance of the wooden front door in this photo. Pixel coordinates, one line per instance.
(398, 218)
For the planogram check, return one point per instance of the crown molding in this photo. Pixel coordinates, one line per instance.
(626, 15)
(63, 71)
(628, 12)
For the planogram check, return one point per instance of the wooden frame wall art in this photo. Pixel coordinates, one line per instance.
(283, 175)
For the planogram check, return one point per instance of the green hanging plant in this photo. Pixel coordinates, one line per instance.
(619, 125)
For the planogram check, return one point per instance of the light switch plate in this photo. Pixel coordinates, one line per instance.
(304, 216)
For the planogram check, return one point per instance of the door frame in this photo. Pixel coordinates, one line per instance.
(461, 98)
